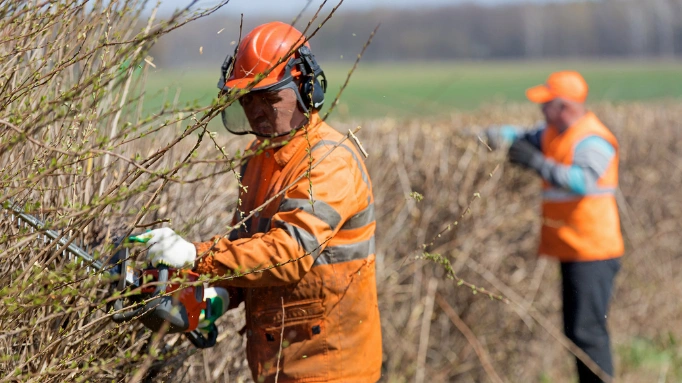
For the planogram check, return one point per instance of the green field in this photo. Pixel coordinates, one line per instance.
(434, 88)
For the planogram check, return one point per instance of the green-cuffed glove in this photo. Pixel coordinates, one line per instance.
(526, 154)
(219, 300)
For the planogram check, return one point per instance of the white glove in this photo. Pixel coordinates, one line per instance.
(168, 248)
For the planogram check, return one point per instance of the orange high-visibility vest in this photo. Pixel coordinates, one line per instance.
(580, 227)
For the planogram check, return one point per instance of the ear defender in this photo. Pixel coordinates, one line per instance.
(312, 94)
(313, 82)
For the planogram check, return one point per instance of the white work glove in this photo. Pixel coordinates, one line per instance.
(168, 248)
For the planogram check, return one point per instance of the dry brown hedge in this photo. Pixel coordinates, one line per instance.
(492, 247)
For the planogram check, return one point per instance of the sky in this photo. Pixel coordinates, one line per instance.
(292, 7)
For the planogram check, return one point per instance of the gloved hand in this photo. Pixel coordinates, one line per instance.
(219, 301)
(494, 138)
(502, 136)
(524, 153)
(168, 248)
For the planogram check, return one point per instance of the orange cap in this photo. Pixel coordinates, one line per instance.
(569, 85)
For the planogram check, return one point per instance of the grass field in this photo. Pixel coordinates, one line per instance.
(436, 88)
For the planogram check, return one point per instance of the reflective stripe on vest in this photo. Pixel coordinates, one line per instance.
(306, 240)
(562, 195)
(346, 253)
(361, 219)
(327, 214)
(319, 209)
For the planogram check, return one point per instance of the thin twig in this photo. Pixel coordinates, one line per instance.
(483, 356)
(425, 330)
(350, 73)
(281, 341)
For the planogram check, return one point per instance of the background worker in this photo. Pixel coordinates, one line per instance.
(577, 158)
(319, 233)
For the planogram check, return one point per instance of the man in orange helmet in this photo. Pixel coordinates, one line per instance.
(314, 292)
(577, 158)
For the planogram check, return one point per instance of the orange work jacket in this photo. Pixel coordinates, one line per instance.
(325, 249)
(580, 227)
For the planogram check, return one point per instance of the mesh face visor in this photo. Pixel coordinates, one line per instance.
(265, 113)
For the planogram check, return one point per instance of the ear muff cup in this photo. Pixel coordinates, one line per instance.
(312, 93)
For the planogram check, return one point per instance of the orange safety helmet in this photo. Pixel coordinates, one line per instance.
(256, 64)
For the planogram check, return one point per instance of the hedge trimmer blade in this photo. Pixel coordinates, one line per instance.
(18, 215)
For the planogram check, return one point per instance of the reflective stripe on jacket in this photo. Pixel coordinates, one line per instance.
(580, 227)
(331, 322)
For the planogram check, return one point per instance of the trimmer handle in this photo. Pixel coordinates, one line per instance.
(168, 306)
(198, 339)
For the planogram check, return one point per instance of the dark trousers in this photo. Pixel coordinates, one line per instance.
(586, 288)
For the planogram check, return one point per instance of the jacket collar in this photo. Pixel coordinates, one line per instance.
(284, 154)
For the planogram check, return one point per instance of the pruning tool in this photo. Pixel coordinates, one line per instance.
(162, 298)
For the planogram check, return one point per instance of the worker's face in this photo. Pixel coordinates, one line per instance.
(272, 113)
(553, 111)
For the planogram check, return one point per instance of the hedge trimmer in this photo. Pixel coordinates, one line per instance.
(155, 296)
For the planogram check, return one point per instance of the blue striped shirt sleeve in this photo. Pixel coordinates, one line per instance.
(591, 159)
